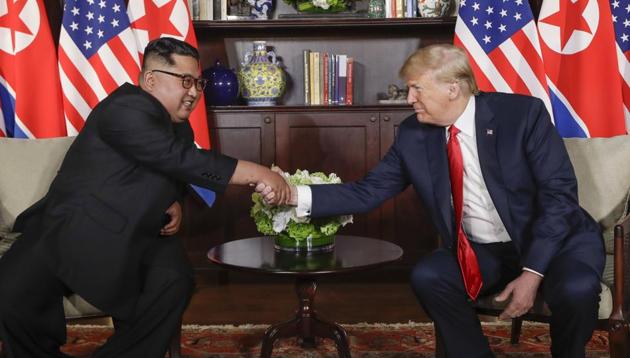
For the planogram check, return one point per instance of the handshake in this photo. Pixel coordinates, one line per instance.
(274, 188)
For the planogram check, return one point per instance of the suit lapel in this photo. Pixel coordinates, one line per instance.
(440, 178)
(486, 131)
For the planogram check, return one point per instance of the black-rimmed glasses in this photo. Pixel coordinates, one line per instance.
(187, 80)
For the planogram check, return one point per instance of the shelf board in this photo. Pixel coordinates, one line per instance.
(282, 108)
(327, 23)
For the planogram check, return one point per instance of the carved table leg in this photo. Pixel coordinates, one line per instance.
(306, 325)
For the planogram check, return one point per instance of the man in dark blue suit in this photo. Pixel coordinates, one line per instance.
(519, 212)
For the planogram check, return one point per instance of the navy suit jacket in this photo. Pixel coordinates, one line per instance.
(525, 167)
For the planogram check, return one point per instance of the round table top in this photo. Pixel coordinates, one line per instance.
(350, 253)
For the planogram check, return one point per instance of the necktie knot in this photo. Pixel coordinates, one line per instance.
(453, 131)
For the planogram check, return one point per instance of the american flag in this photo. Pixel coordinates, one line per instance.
(503, 46)
(30, 95)
(621, 21)
(97, 54)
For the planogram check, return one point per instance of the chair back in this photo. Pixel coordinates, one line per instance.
(28, 168)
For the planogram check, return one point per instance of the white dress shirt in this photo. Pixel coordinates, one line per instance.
(481, 221)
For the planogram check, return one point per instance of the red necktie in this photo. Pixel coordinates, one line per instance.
(465, 254)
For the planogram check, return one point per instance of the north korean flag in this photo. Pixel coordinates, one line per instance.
(579, 53)
(30, 91)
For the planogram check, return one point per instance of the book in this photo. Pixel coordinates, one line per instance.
(195, 9)
(349, 84)
(307, 82)
(343, 67)
(311, 75)
(326, 78)
(224, 9)
(316, 79)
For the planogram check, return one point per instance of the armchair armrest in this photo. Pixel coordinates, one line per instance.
(621, 265)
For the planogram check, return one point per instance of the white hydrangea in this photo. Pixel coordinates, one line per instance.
(321, 3)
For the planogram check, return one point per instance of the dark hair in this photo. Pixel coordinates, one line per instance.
(163, 48)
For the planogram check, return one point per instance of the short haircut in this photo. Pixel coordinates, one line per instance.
(447, 62)
(162, 49)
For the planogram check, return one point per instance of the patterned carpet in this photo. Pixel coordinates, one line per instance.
(366, 341)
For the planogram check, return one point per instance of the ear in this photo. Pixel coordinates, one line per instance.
(148, 81)
(453, 90)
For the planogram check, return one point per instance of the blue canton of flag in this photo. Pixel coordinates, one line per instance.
(621, 20)
(91, 24)
(493, 22)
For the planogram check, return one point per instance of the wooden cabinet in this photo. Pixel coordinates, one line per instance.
(347, 140)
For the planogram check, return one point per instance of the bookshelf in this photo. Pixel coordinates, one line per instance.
(378, 46)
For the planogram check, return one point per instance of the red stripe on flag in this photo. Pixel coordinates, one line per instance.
(125, 58)
(105, 77)
(73, 115)
(528, 51)
(482, 80)
(509, 73)
(77, 80)
(625, 90)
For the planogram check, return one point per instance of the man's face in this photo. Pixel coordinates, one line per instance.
(431, 100)
(169, 89)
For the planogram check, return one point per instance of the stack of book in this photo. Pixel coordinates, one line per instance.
(328, 79)
(401, 8)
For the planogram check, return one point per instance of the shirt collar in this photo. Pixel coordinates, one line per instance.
(466, 121)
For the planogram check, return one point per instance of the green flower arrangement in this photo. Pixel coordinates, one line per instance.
(319, 6)
(282, 221)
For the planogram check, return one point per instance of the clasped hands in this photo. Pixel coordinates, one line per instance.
(275, 190)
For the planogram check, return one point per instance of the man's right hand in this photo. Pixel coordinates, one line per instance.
(274, 189)
(268, 193)
(270, 197)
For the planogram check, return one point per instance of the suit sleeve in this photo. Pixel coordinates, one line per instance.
(557, 208)
(387, 179)
(142, 133)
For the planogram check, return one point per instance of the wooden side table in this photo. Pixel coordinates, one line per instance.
(351, 253)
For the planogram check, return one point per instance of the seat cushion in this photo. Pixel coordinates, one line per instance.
(28, 167)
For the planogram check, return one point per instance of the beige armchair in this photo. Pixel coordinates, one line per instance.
(602, 168)
(28, 168)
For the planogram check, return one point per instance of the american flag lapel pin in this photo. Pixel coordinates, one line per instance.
(489, 132)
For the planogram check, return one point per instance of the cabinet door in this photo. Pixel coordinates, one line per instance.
(343, 142)
(242, 135)
(404, 220)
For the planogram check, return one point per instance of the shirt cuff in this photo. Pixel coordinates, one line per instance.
(304, 201)
(532, 271)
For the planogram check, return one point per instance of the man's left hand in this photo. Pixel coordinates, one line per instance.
(175, 213)
(523, 291)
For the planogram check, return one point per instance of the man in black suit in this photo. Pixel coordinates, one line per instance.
(100, 231)
(497, 182)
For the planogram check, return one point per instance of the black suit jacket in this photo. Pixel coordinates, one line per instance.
(524, 164)
(106, 205)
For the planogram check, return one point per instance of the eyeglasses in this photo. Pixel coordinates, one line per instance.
(187, 80)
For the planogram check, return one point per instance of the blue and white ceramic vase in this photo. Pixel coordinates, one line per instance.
(222, 88)
(262, 80)
(261, 9)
